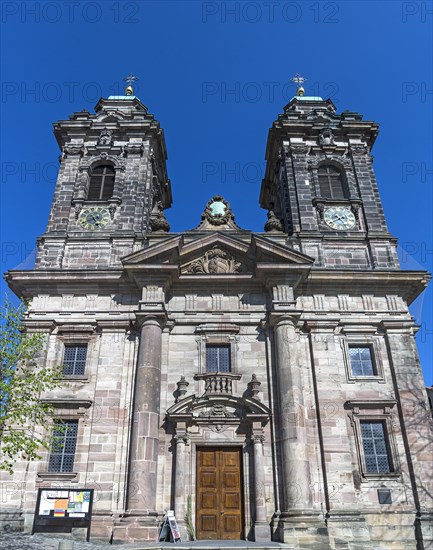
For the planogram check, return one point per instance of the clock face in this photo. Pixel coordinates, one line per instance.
(94, 218)
(339, 218)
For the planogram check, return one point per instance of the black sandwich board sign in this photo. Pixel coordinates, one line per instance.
(170, 530)
(61, 510)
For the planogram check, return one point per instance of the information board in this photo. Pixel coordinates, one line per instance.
(61, 510)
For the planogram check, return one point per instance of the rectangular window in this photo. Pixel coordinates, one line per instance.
(217, 358)
(74, 360)
(375, 445)
(63, 447)
(361, 361)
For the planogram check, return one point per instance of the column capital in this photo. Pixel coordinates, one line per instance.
(322, 325)
(287, 318)
(182, 438)
(155, 318)
(257, 439)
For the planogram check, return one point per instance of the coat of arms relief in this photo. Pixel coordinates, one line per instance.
(215, 260)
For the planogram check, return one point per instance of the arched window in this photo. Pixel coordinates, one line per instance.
(332, 182)
(101, 183)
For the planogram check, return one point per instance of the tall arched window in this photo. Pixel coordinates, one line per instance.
(101, 185)
(332, 182)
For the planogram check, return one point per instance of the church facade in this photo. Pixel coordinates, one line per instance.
(263, 386)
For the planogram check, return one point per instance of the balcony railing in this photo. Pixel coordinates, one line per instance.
(217, 382)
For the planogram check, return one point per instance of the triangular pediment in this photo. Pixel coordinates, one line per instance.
(268, 250)
(217, 254)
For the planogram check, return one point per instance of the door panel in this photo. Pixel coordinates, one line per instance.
(219, 493)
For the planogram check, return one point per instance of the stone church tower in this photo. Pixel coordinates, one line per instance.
(264, 386)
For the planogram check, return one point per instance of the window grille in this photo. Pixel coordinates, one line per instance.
(331, 182)
(375, 447)
(63, 447)
(74, 360)
(217, 358)
(361, 361)
(101, 185)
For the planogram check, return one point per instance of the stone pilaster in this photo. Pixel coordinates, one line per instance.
(415, 424)
(181, 439)
(261, 525)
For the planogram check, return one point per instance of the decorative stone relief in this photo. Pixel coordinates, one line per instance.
(215, 260)
(218, 428)
(133, 149)
(71, 150)
(298, 149)
(359, 149)
(326, 137)
(315, 160)
(105, 137)
(217, 410)
(118, 163)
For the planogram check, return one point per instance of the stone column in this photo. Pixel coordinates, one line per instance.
(261, 526)
(145, 428)
(293, 433)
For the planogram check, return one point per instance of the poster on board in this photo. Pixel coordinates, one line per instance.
(63, 508)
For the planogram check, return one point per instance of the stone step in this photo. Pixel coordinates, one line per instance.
(220, 544)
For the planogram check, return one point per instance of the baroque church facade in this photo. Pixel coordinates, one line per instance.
(264, 386)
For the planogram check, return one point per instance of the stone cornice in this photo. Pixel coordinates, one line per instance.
(38, 325)
(68, 403)
(27, 284)
(407, 284)
(360, 404)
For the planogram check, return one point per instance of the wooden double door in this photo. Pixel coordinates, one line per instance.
(219, 493)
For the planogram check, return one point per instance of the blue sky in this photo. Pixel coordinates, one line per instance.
(216, 75)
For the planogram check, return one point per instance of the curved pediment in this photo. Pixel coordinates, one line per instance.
(219, 407)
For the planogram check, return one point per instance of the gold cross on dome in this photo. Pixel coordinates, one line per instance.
(130, 79)
(299, 80)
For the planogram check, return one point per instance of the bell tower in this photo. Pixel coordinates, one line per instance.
(320, 183)
(112, 186)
